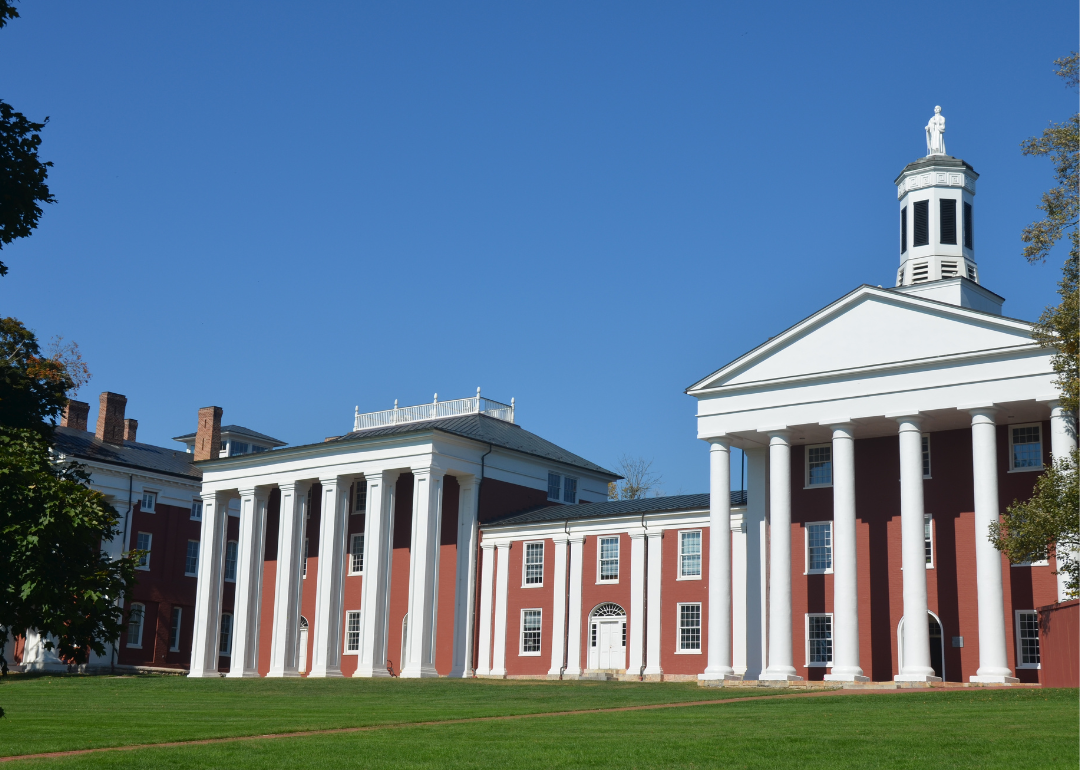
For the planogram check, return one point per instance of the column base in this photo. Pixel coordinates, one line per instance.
(653, 671)
(282, 674)
(191, 674)
(571, 672)
(370, 673)
(993, 679)
(714, 676)
(916, 678)
(328, 674)
(846, 678)
(419, 672)
(250, 674)
(786, 674)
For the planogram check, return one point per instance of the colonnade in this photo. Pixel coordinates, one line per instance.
(426, 522)
(993, 659)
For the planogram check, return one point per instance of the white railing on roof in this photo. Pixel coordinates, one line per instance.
(436, 410)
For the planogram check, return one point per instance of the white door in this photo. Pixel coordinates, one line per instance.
(611, 653)
(302, 668)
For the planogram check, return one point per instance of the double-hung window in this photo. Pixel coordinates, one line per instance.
(196, 510)
(225, 645)
(1025, 445)
(819, 547)
(1027, 639)
(561, 488)
(690, 554)
(819, 639)
(191, 561)
(360, 498)
(554, 487)
(149, 502)
(689, 627)
(174, 629)
(569, 494)
(926, 455)
(303, 558)
(135, 625)
(534, 565)
(530, 632)
(356, 554)
(608, 549)
(352, 632)
(142, 543)
(819, 465)
(928, 538)
(230, 561)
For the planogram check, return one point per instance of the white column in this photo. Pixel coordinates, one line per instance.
(573, 624)
(755, 523)
(558, 609)
(636, 621)
(466, 576)
(502, 580)
(487, 585)
(916, 638)
(738, 595)
(284, 644)
(719, 667)
(378, 551)
(781, 666)
(993, 656)
(329, 588)
(845, 625)
(424, 574)
(654, 611)
(204, 642)
(1062, 444)
(249, 577)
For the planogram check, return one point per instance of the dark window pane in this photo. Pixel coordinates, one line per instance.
(903, 229)
(969, 234)
(948, 221)
(922, 223)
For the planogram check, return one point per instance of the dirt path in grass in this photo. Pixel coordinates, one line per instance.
(439, 722)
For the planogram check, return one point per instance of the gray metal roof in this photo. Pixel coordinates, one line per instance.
(84, 445)
(240, 430)
(611, 508)
(488, 430)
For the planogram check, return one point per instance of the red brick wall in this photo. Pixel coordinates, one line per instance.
(674, 591)
(353, 591)
(399, 568)
(498, 499)
(1059, 644)
(536, 597)
(444, 626)
(594, 593)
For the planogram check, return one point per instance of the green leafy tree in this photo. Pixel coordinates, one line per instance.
(23, 174)
(1050, 520)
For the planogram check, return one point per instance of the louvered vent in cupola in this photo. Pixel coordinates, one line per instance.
(971, 271)
(949, 269)
(922, 223)
(900, 277)
(948, 221)
(921, 271)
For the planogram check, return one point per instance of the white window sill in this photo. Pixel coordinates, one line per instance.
(819, 665)
(529, 654)
(134, 646)
(224, 654)
(351, 652)
(1031, 564)
(818, 486)
(607, 582)
(355, 574)
(1028, 470)
(174, 649)
(687, 652)
(1029, 666)
(689, 577)
(191, 574)
(230, 580)
(819, 572)
(533, 585)
(194, 519)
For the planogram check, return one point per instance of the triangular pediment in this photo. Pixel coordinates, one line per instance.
(868, 329)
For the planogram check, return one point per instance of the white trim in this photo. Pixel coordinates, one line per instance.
(806, 638)
(900, 643)
(236, 561)
(144, 566)
(678, 628)
(351, 554)
(1016, 630)
(521, 633)
(359, 633)
(806, 548)
(179, 626)
(701, 557)
(194, 574)
(806, 466)
(525, 563)
(1012, 456)
(618, 558)
(196, 505)
(142, 624)
(152, 493)
(933, 539)
(227, 653)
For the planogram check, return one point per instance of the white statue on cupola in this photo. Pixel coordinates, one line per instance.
(935, 134)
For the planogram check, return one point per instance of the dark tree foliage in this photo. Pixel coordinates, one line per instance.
(32, 387)
(22, 173)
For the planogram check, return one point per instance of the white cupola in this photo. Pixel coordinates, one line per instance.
(937, 227)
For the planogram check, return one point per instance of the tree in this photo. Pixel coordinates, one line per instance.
(23, 174)
(1049, 522)
(53, 574)
(638, 479)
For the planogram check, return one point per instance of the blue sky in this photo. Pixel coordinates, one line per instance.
(290, 209)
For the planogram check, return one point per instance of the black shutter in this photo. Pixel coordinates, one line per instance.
(922, 223)
(948, 221)
(903, 229)
(969, 235)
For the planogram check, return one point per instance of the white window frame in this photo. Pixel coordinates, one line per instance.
(832, 638)
(236, 561)
(232, 631)
(196, 509)
(557, 479)
(152, 495)
(568, 497)
(144, 565)
(352, 551)
(539, 634)
(525, 564)
(357, 509)
(196, 572)
(929, 517)
(177, 615)
(142, 624)
(679, 650)
(806, 549)
(806, 466)
(1019, 647)
(929, 457)
(1012, 454)
(359, 632)
(618, 558)
(700, 554)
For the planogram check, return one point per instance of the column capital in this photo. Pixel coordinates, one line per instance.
(651, 533)
(430, 471)
(637, 534)
(907, 421)
(719, 443)
(560, 539)
(776, 431)
(488, 546)
(299, 487)
(842, 429)
(335, 479)
(779, 436)
(982, 414)
(577, 539)
(466, 480)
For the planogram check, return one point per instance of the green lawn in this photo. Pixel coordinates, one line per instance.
(923, 729)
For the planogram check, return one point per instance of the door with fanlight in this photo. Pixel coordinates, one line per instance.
(607, 637)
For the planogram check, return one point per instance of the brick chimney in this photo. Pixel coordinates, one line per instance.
(75, 415)
(110, 420)
(208, 434)
(130, 427)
